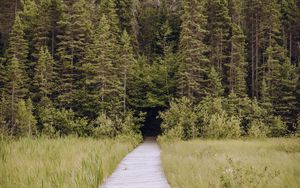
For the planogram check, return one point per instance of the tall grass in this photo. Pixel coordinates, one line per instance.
(64, 162)
(232, 163)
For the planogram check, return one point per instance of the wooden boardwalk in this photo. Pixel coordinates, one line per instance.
(139, 169)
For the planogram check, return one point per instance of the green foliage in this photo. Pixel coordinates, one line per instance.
(277, 127)
(17, 44)
(43, 75)
(104, 126)
(194, 63)
(257, 129)
(180, 120)
(221, 126)
(25, 120)
(214, 85)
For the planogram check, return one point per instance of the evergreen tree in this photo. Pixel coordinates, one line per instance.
(25, 121)
(236, 74)
(17, 44)
(100, 77)
(285, 101)
(214, 85)
(218, 26)
(109, 9)
(15, 89)
(2, 77)
(126, 59)
(43, 75)
(128, 16)
(193, 60)
(42, 28)
(74, 34)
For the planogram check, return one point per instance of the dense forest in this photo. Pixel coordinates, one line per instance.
(217, 68)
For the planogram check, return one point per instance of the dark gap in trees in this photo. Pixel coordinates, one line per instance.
(152, 125)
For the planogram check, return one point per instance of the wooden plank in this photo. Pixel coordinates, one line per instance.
(139, 169)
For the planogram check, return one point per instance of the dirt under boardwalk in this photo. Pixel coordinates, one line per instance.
(139, 169)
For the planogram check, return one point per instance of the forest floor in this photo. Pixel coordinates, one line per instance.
(62, 162)
(232, 163)
(140, 169)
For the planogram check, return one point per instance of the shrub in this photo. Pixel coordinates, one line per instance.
(222, 126)
(180, 116)
(55, 122)
(104, 126)
(130, 125)
(277, 127)
(257, 129)
(25, 120)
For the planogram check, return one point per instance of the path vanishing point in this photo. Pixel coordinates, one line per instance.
(139, 169)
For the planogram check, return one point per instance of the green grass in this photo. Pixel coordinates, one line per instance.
(64, 162)
(267, 163)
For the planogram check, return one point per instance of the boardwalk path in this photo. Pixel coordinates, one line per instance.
(139, 169)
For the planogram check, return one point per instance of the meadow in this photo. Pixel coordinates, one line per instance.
(268, 163)
(63, 162)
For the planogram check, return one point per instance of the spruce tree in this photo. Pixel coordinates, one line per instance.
(128, 15)
(236, 73)
(285, 101)
(100, 77)
(74, 28)
(193, 60)
(219, 24)
(41, 31)
(126, 59)
(43, 75)
(17, 43)
(109, 9)
(214, 84)
(15, 89)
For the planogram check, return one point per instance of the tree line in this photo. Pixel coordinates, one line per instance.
(89, 67)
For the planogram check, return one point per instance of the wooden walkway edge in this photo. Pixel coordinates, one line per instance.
(139, 169)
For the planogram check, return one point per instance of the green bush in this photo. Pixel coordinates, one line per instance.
(180, 120)
(222, 126)
(104, 126)
(55, 122)
(258, 129)
(26, 122)
(277, 127)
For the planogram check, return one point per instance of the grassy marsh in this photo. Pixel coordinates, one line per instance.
(63, 162)
(266, 163)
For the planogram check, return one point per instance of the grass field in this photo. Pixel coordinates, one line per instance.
(232, 163)
(64, 162)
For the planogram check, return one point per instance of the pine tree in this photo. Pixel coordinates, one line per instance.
(126, 59)
(219, 24)
(285, 102)
(43, 75)
(15, 89)
(193, 60)
(41, 31)
(74, 34)
(26, 122)
(17, 44)
(100, 77)
(109, 9)
(214, 85)
(128, 16)
(236, 74)
(265, 98)
(2, 77)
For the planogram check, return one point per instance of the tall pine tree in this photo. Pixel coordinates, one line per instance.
(194, 63)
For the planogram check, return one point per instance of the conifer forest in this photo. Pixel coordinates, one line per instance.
(216, 82)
